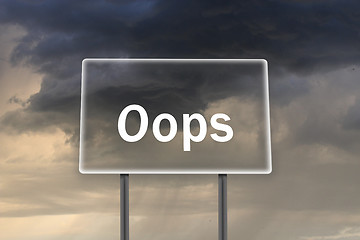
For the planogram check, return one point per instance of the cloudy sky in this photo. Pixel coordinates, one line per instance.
(312, 48)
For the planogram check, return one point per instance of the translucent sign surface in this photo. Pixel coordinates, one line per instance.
(165, 116)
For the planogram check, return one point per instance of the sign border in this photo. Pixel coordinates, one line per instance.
(268, 168)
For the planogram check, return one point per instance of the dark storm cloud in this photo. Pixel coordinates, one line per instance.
(293, 36)
(300, 36)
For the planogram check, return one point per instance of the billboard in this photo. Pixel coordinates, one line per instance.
(175, 116)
